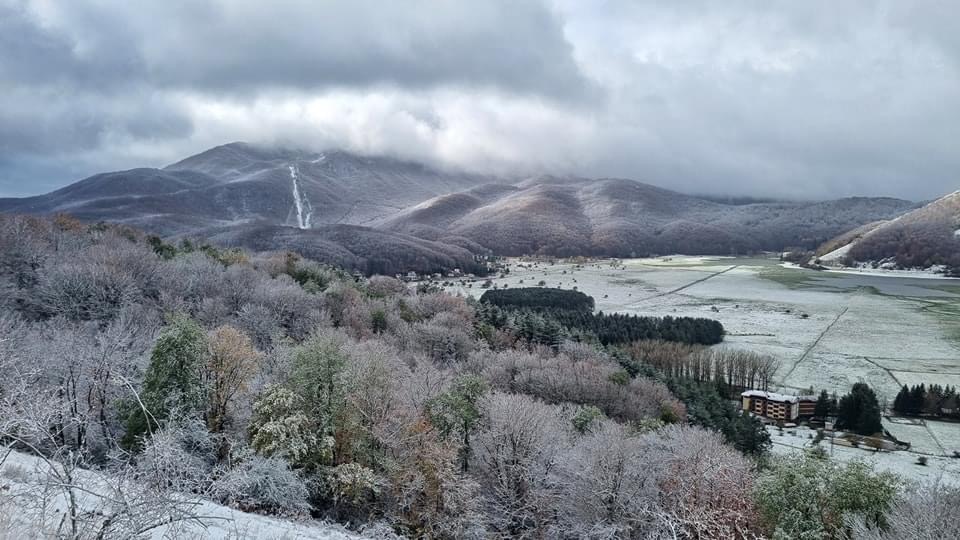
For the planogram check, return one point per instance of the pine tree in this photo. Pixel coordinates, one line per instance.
(173, 382)
(901, 402)
(457, 412)
(825, 405)
(917, 395)
(859, 411)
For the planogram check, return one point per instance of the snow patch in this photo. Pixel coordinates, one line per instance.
(836, 254)
(32, 503)
(304, 208)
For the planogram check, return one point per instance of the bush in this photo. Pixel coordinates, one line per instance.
(803, 496)
(262, 484)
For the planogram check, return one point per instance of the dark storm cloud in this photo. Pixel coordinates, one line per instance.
(81, 79)
(239, 47)
(798, 99)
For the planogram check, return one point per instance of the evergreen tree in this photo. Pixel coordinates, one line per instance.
(917, 395)
(457, 412)
(825, 406)
(902, 401)
(173, 382)
(859, 411)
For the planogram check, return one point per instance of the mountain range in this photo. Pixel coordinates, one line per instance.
(381, 214)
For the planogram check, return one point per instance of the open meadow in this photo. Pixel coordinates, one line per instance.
(828, 330)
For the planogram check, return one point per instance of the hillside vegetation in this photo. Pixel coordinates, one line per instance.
(143, 375)
(922, 239)
(624, 218)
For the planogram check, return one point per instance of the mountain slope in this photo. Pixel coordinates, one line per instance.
(412, 214)
(350, 246)
(239, 182)
(622, 217)
(926, 238)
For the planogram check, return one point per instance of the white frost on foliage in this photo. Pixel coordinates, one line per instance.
(23, 478)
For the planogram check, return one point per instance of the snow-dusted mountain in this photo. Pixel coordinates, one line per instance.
(242, 183)
(381, 213)
(622, 217)
(926, 238)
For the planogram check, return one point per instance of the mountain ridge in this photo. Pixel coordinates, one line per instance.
(262, 196)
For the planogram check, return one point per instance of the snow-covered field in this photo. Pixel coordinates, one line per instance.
(27, 510)
(905, 464)
(828, 330)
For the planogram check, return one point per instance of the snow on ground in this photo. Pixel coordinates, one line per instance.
(903, 463)
(21, 517)
(836, 254)
(829, 330)
(914, 431)
(934, 272)
(947, 435)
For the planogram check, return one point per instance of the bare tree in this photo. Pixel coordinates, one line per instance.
(231, 365)
(922, 512)
(514, 457)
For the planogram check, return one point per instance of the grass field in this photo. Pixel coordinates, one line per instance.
(827, 330)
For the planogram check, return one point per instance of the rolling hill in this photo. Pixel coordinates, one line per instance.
(927, 238)
(379, 213)
(616, 217)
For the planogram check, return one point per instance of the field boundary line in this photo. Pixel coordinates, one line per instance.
(687, 286)
(812, 346)
(888, 370)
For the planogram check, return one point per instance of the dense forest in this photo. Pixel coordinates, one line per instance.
(545, 315)
(277, 385)
(539, 298)
(914, 245)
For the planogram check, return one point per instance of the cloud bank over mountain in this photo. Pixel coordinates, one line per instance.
(803, 100)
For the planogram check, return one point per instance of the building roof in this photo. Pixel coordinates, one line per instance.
(771, 396)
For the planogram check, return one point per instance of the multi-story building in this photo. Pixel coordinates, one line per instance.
(777, 406)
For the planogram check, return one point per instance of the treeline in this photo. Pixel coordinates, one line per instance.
(617, 328)
(922, 400)
(542, 316)
(729, 369)
(539, 298)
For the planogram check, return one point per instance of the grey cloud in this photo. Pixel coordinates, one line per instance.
(797, 99)
(240, 47)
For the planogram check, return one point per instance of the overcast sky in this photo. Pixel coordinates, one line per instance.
(804, 99)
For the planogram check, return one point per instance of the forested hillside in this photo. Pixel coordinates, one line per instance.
(926, 238)
(625, 218)
(274, 384)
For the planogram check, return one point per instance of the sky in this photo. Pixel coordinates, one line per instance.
(808, 100)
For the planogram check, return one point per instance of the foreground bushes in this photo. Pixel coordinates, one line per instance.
(808, 496)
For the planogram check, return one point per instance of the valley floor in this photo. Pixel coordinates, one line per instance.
(828, 330)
